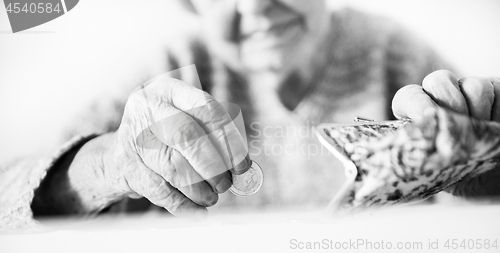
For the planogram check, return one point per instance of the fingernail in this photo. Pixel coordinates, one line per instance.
(223, 185)
(242, 166)
(201, 214)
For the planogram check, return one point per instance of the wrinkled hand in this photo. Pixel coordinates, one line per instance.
(476, 97)
(171, 149)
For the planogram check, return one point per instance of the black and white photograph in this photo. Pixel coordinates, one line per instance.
(249, 126)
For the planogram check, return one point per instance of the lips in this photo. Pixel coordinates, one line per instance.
(282, 27)
(272, 28)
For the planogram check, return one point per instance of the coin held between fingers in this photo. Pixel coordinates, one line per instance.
(248, 183)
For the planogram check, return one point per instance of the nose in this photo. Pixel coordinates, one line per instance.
(253, 6)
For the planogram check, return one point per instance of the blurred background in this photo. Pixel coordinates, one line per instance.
(49, 73)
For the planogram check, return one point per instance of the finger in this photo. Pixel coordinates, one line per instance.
(213, 117)
(442, 87)
(410, 102)
(182, 133)
(495, 110)
(188, 181)
(154, 187)
(210, 115)
(479, 95)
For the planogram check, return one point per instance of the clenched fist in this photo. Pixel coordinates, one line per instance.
(172, 147)
(476, 97)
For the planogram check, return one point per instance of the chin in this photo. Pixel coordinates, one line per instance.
(266, 62)
(263, 66)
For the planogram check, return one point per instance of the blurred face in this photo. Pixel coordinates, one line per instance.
(262, 35)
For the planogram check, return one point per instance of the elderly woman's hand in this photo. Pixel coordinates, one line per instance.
(477, 97)
(172, 147)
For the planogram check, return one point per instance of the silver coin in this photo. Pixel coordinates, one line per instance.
(248, 183)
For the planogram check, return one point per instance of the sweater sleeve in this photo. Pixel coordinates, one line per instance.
(18, 181)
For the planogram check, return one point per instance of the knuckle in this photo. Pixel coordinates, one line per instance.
(168, 167)
(184, 130)
(133, 102)
(135, 108)
(208, 97)
(186, 126)
(407, 93)
(218, 110)
(477, 88)
(176, 205)
(443, 74)
(161, 191)
(173, 179)
(410, 89)
(162, 82)
(136, 98)
(216, 107)
(439, 78)
(495, 80)
(470, 81)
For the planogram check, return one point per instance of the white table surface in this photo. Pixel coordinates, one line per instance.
(271, 231)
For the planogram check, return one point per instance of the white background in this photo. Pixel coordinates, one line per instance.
(51, 72)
